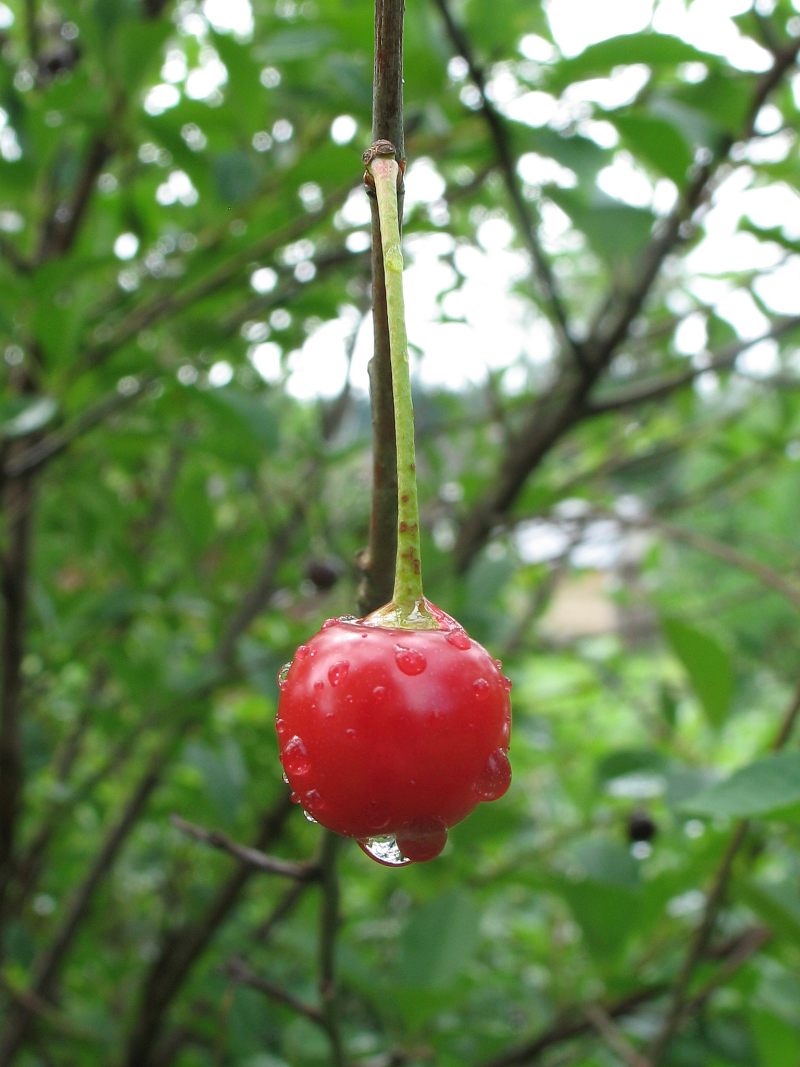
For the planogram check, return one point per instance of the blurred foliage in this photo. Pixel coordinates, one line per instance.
(180, 215)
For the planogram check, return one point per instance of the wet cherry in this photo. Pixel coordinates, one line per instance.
(391, 736)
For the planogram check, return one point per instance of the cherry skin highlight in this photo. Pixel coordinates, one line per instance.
(392, 735)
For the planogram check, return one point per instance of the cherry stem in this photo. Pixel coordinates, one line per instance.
(408, 606)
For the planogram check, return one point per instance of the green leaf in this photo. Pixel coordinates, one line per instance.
(769, 786)
(581, 155)
(438, 942)
(707, 664)
(607, 915)
(616, 232)
(777, 1041)
(652, 49)
(656, 142)
(628, 762)
(777, 905)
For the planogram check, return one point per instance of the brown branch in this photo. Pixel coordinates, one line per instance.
(250, 857)
(164, 307)
(613, 1036)
(183, 719)
(63, 225)
(377, 563)
(239, 972)
(181, 948)
(713, 904)
(646, 392)
(553, 416)
(768, 577)
(328, 929)
(18, 502)
(572, 1023)
(54, 444)
(527, 224)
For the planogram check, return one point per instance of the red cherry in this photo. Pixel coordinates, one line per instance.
(391, 735)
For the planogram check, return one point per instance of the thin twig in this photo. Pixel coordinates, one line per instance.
(328, 930)
(527, 224)
(252, 857)
(54, 444)
(238, 971)
(613, 1036)
(552, 417)
(714, 900)
(646, 392)
(377, 562)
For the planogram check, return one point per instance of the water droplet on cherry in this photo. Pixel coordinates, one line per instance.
(379, 692)
(302, 651)
(384, 849)
(283, 674)
(338, 672)
(499, 664)
(507, 683)
(281, 728)
(458, 639)
(423, 841)
(308, 817)
(496, 776)
(480, 688)
(313, 802)
(319, 685)
(409, 660)
(295, 757)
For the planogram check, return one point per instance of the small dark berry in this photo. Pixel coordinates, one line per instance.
(324, 573)
(641, 827)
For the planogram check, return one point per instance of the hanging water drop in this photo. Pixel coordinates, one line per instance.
(409, 660)
(385, 850)
(423, 841)
(308, 817)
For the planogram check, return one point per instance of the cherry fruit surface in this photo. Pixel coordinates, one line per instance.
(392, 735)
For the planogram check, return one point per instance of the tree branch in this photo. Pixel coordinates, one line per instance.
(646, 392)
(250, 857)
(713, 904)
(181, 948)
(377, 563)
(527, 224)
(328, 930)
(553, 416)
(239, 972)
(18, 502)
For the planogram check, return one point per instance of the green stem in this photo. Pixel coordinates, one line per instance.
(408, 605)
